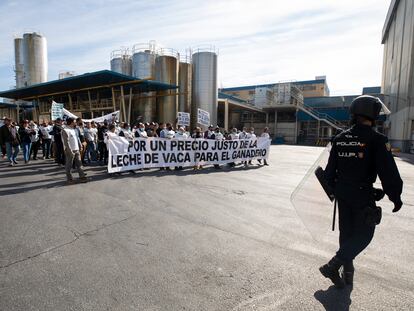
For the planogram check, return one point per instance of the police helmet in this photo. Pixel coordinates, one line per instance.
(368, 106)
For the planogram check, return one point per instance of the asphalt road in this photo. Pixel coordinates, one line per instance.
(207, 240)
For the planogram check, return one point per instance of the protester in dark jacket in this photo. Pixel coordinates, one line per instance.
(9, 137)
(57, 136)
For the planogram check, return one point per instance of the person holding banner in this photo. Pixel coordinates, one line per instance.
(198, 134)
(217, 135)
(103, 151)
(140, 132)
(233, 136)
(266, 135)
(72, 145)
(180, 135)
(126, 132)
(57, 137)
(209, 132)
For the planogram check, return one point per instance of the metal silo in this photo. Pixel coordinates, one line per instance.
(184, 81)
(18, 60)
(121, 62)
(143, 67)
(166, 71)
(34, 58)
(204, 86)
(143, 60)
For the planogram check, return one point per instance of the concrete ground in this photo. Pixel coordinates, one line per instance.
(208, 240)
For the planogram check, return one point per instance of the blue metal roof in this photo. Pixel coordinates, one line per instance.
(251, 87)
(97, 79)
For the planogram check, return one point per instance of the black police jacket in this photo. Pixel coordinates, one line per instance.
(357, 157)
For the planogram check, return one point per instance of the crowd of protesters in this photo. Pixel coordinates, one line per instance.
(75, 143)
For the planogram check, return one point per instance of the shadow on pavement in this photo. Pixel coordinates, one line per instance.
(52, 176)
(334, 299)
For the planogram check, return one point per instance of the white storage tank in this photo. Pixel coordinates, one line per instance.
(143, 67)
(18, 62)
(204, 85)
(34, 58)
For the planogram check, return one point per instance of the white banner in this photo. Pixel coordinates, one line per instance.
(56, 111)
(203, 117)
(161, 152)
(110, 117)
(183, 118)
(68, 114)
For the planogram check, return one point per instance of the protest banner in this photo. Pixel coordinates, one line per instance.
(56, 111)
(183, 118)
(110, 117)
(159, 152)
(203, 117)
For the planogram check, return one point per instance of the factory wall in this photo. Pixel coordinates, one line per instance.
(398, 73)
(310, 88)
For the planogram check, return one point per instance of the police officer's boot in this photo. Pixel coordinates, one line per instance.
(348, 273)
(331, 271)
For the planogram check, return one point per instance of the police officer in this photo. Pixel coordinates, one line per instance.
(357, 156)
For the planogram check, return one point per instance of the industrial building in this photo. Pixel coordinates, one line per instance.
(398, 73)
(295, 119)
(152, 83)
(146, 83)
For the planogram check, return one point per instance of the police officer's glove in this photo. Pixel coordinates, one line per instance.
(397, 206)
(378, 194)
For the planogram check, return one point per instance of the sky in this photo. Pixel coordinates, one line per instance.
(258, 41)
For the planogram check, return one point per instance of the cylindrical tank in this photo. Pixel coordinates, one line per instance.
(121, 62)
(143, 67)
(166, 71)
(204, 85)
(143, 61)
(34, 58)
(18, 61)
(184, 81)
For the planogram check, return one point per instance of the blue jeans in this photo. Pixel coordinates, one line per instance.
(26, 151)
(11, 156)
(46, 148)
(91, 151)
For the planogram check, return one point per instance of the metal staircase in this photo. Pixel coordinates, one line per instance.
(322, 117)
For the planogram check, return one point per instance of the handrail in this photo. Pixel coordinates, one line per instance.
(168, 52)
(320, 117)
(204, 48)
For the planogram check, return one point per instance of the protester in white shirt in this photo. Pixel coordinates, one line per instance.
(217, 135)
(45, 130)
(35, 139)
(180, 135)
(126, 132)
(91, 138)
(140, 132)
(72, 144)
(265, 134)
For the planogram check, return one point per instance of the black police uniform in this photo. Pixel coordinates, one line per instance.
(357, 156)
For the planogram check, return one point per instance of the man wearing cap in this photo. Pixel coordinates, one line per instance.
(357, 157)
